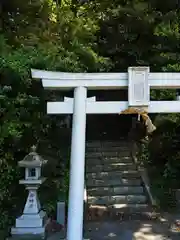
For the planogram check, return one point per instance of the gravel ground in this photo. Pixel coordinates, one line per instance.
(130, 230)
(127, 230)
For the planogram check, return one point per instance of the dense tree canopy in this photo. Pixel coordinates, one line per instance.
(141, 33)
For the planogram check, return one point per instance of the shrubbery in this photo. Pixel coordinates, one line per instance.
(42, 35)
(161, 156)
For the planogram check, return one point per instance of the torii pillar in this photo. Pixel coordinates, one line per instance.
(77, 166)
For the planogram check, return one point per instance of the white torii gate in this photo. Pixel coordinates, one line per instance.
(138, 80)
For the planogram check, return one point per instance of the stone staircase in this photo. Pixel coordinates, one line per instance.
(114, 186)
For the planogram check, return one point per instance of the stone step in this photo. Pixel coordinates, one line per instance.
(110, 164)
(122, 207)
(130, 207)
(92, 144)
(95, 144)
(101, 191)
(114, 143)
(120, 212)
(108, 149)
(107, 160)
(93, 155)
(124, 153)
(114, 159)
(118, 199)
(133, 174)
(110, 167)
(113, 182)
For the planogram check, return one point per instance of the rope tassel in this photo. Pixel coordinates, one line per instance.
(141, 113)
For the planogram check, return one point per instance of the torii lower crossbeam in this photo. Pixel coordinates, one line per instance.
(93, 107)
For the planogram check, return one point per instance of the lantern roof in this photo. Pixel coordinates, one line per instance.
(33, 159)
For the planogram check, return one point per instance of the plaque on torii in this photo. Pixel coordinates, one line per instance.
(138, 87)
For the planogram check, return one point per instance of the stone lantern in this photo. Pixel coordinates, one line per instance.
(32, 221)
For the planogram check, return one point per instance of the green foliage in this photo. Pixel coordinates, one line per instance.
(161, 157)
(139, 33)
(42, 35)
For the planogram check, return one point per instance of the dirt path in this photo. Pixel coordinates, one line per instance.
(130, 230)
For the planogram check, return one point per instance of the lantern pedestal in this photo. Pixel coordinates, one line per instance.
(33, 220)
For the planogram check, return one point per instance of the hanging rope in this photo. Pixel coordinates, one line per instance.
(141, 112)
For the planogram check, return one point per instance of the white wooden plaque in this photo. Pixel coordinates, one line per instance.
(138, 86)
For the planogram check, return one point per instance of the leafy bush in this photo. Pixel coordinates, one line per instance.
(161, 157)
(42, 35)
